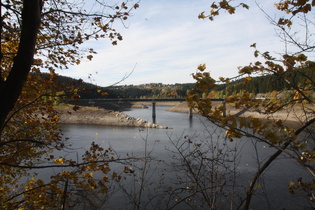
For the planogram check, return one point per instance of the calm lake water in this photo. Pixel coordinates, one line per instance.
(160, 143)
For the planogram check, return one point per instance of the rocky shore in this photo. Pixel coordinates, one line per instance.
(98, 116)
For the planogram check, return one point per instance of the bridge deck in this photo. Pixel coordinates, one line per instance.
(136, 100)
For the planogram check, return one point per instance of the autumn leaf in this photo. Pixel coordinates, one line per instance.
(202, 15)
(104, 94)
(90, 57)
(246, 80)
(59, 161)
(136, 6)
(202, 67)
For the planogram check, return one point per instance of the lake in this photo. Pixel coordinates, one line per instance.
(176, 173)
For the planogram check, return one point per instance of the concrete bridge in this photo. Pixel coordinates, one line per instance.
(121, 103)
(122, 100)
(130, 100)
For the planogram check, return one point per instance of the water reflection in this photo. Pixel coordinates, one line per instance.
(190, 120)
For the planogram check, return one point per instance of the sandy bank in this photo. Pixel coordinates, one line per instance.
(98, 116)
(294, 117)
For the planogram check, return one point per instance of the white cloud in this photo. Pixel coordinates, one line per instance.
(167, 42)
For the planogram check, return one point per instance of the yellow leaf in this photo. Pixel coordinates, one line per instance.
(202, 67)
(55, 118)
(247, 79)
(59, 161)
(202, 15)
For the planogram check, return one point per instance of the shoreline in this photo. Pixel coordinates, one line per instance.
(99, 116)
(293, 117)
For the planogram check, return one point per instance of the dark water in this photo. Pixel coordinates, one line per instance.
(272, 194)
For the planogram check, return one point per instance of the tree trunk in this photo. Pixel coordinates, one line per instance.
(12, 87)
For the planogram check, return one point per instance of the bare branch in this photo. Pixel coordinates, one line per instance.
(21, 140)
(124, 77)
(68, 165)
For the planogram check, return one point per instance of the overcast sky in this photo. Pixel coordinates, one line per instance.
(165, 42)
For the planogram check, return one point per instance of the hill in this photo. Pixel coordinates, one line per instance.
(270, 83)
(256, 85)
(91, 91)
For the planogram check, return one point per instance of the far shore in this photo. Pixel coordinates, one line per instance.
(292, 117)
(100, 116)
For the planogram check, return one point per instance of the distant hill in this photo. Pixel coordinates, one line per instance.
(270, 83)
(153, 90)
(261, 84)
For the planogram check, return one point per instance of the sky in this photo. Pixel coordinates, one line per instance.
(165, 42)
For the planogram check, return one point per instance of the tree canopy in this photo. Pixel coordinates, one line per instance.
(294, 26)
(38, 35)
(49, 34)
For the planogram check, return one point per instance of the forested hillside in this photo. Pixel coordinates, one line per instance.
(270, 83)
(266, 84)
(89, 90)
(256, 85)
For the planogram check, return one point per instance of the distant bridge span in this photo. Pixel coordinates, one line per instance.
(121, 101)
(139, 100)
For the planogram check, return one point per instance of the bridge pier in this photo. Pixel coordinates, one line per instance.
(224, 106)
(153, 112)
(190, 113)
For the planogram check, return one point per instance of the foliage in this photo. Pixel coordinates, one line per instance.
(269, 83)
(259, 84)
(52, 31)
(295, 141)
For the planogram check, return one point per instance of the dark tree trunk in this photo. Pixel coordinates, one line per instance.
(12, 87)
